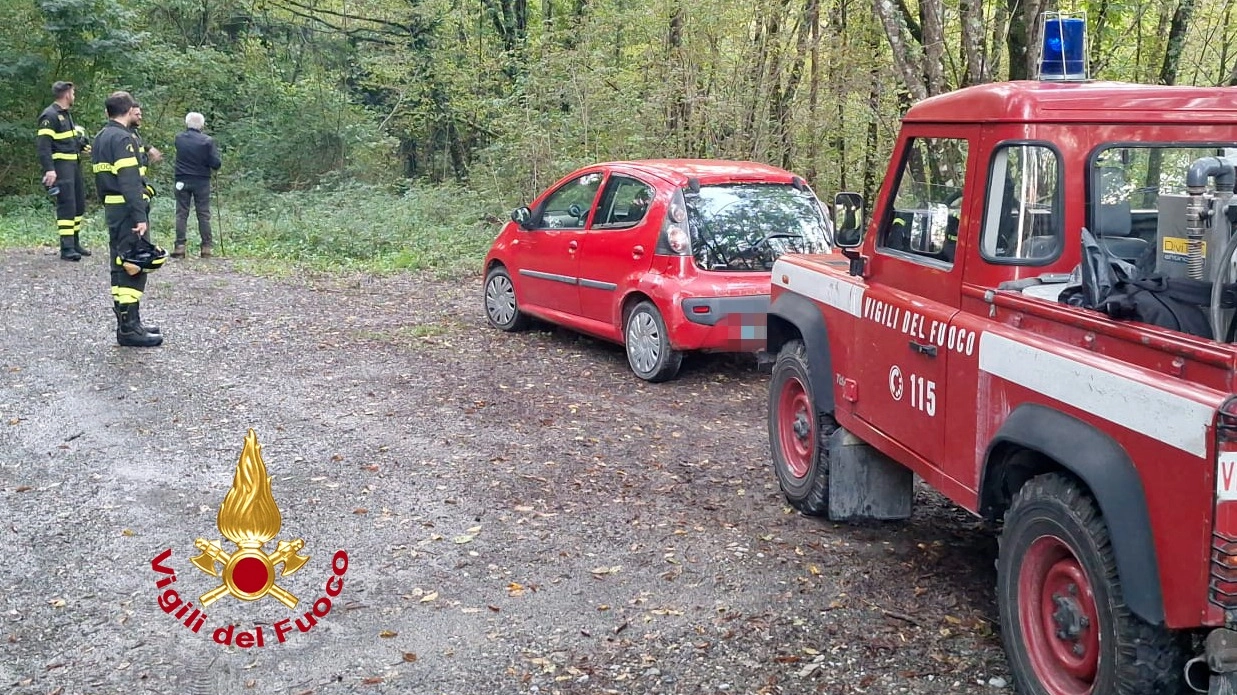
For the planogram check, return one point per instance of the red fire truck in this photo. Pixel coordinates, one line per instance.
(937, 345)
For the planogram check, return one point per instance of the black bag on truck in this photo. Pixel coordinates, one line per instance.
(1117, 288)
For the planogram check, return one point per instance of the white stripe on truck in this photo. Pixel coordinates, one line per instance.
(1133, 404)
(827, 289)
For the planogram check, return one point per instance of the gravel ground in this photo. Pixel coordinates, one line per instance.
(519, 512)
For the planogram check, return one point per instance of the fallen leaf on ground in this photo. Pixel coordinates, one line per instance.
(387, 633)
(360, 510)
(431, 596)
(410, 657)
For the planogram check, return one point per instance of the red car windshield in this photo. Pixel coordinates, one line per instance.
(748, 226)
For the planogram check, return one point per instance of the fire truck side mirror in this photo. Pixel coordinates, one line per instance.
(848, 216)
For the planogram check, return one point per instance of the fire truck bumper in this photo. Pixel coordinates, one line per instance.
(1215, 672)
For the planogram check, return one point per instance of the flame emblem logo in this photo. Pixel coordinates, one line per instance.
(249, 518)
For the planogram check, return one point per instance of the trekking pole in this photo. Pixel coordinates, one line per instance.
(219, 207)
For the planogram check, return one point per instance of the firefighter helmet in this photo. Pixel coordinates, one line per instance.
(143, 258)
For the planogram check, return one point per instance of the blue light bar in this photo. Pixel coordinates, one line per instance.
(1064, 50)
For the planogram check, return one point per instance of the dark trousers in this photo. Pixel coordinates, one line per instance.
(197, 191)
(126, 288)
(71, 201)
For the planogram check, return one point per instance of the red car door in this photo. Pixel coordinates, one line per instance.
(914, 291)
(548, 253)
(616, 249)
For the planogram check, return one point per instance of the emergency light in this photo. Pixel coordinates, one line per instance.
(1063, 54)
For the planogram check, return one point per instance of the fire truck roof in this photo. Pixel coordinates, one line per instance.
(1091, 102)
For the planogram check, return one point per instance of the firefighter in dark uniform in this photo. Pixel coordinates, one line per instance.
(61, 144)
(126, 205)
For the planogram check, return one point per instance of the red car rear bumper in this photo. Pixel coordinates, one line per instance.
(720, 324)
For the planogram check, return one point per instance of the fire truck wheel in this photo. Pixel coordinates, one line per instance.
(799, 433)
(649, 352)
(1066, 628)
(501, 307)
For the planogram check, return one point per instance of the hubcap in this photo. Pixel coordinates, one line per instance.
(643, 342)
(1059, 625)
(796, 429)
(500, 300)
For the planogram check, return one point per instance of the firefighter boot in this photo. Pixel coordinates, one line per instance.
(129, 332)
(68, 250)
(77, 246)
(137, 313)
(178, 251)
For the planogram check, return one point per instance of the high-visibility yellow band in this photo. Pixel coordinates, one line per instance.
(67, 231)
(117, 199)
(126, 295)
(64, 223)
(142, 171)
(56, 136)
(72, 156)
(116, 166)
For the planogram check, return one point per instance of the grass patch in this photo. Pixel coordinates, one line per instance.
(351, 228)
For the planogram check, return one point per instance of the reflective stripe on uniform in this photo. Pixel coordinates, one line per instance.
(126, 295)
(65, 155)
(66, 227)
(117, 199)
(56, 136)
(104, 167)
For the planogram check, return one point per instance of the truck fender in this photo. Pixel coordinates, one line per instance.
(1106, 469)
(790, 312)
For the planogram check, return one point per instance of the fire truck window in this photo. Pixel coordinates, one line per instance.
(1022, 220)
(928, 202)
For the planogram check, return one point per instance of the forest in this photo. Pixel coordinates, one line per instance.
(337, 109)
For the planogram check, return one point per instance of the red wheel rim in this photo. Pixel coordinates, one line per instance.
(1056, 608)
(796, 427)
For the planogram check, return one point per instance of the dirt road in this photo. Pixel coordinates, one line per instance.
(520, 514)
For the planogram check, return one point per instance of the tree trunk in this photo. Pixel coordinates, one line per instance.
(907, 57)
(974, 48)
(1176, 40)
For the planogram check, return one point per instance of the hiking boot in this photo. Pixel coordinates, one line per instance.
(77, 246)
(129, 332)
(178, 251)
(207, 251)
(68, 250)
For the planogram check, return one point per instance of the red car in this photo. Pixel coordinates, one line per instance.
(661, 256)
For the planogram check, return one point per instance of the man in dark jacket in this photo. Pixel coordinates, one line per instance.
(127, 208)
(197, 158)
(60, 146)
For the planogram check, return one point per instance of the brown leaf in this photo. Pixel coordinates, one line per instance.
(127, 532)
(387, 633)
(360, 510)
(410, 657)
(787, 659)
(372, 680)
(23, 488)
(493, 608)
(371, 469)
(337, 458)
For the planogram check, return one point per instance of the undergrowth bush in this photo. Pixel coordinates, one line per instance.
(379, 229)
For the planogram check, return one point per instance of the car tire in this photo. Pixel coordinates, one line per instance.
(799, 433)
(647, 342)
(1064, 623)
(502, 309)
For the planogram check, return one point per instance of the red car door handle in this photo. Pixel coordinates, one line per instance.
(572, 246)
(637, 252)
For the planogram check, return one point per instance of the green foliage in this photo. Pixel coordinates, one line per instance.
(444, 229)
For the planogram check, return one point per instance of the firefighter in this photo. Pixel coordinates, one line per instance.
(126, 205)
(61, 145)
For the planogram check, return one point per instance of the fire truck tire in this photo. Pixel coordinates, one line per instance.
(799, 432)
(1065, 625)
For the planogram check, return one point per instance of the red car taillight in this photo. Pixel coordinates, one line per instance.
(1224, 524)
(675, 239)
